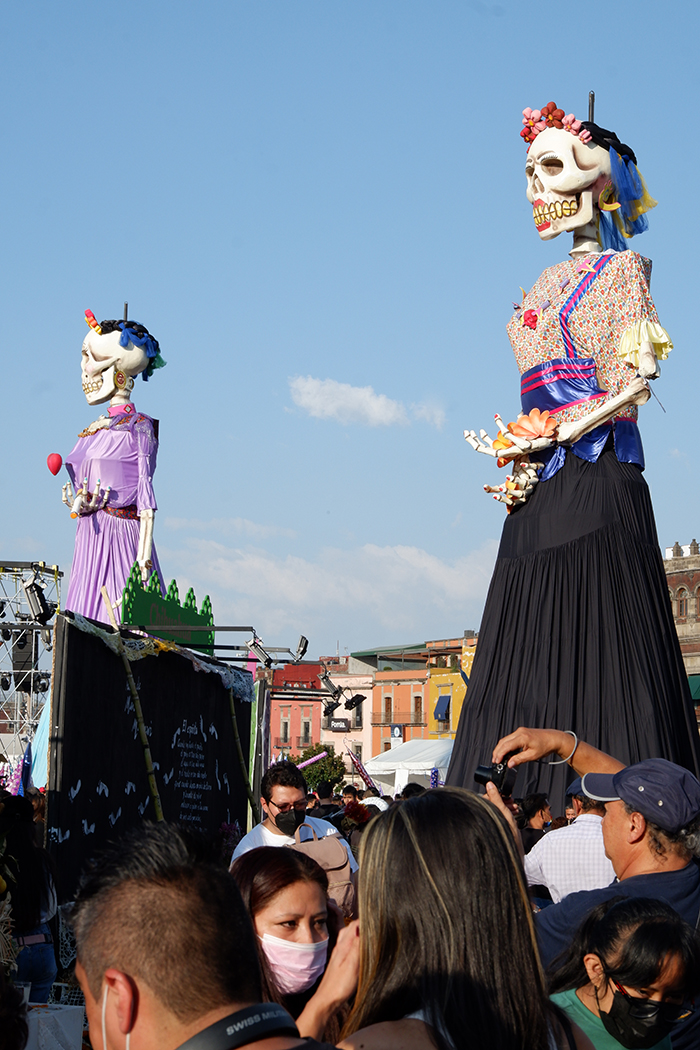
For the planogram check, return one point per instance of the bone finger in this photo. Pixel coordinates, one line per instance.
(471, 439)
(479, 446)
(522, 443)
(106, 495)
(500, 424)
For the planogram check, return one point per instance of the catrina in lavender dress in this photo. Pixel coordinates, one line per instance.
(121, 455)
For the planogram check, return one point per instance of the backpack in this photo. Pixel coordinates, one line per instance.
(329, 851)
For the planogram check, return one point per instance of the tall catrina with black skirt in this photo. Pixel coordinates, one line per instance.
(578, 631)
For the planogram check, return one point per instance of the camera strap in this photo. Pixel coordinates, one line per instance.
(242, 1027)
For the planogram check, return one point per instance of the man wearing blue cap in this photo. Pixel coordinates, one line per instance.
(651, 831)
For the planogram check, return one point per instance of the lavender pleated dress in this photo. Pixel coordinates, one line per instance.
(122, 455)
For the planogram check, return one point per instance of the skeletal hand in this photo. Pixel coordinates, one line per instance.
(85, 502)
(518, 446)
(145, 549)
(648, 364)
(146, 568)
(519, 485)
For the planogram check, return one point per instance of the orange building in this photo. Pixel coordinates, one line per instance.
(402, 696)
(399, 702)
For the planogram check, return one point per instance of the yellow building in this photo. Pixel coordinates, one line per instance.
(447, 689)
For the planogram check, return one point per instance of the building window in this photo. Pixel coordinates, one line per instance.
(305, 733)
(357, 717)
(388, 709)
(418, 708)
(442, 709)
(357, 748)
(284, 731)
(682, 603)
(386, 745)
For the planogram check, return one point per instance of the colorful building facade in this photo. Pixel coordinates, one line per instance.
(296, 702)
(350, 729)
(448, 688)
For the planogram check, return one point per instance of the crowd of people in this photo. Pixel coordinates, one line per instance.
(430, 921)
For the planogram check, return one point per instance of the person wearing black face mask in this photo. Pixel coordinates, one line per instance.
(630, 974)
(283, 801)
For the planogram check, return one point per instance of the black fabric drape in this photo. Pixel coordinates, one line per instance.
(578, 632)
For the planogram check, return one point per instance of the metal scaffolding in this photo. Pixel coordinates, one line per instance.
(30, 594)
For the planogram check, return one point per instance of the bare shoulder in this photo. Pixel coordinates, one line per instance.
(407, 1034)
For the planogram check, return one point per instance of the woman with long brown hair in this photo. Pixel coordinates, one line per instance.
(448, 956)
(307, 966)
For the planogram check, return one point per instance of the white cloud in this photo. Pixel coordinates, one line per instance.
(431, 413)
(366, 595)
(228, 527)
(329, 399)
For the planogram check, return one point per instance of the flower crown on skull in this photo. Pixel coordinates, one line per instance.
(131, 332)
(537, 120)
(624, 200)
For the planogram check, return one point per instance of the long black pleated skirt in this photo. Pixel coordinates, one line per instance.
(578, 632)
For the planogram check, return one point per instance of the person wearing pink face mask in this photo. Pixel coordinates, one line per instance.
(307, 966)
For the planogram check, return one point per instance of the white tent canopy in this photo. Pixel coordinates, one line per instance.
(412, 761)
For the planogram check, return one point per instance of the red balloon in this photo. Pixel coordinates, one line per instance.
(54, 463)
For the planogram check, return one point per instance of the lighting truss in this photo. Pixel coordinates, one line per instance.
(25, 648)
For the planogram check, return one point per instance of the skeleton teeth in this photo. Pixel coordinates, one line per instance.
(89, 387)
(543, 212)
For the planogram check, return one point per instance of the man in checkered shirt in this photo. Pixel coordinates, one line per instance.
(572, 858)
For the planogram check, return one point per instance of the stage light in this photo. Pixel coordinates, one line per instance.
(3, 603)
(301, 649)
(6, 634)
(330, 707)
(258, 652)
(40, 609)
(5, 683)
(324, 678)
(354, 701)
(41, 683)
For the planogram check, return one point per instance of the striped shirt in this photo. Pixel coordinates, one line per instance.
(570, 859)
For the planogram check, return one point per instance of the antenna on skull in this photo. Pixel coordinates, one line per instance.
(126, 311)
(591, 106)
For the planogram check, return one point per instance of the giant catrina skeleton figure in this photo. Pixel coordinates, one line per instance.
(578, 632)
(111, 469)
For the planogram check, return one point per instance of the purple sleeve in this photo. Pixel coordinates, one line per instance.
(147, 448)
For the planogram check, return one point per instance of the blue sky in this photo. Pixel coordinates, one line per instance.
(318, 208)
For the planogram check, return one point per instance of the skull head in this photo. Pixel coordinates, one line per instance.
(564, 178)
(108, 368)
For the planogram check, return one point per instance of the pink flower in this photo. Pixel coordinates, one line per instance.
(531, 117)
(571, 124)
(530, 319)
(585, 135)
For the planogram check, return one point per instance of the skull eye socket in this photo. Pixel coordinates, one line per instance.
(552, 166)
